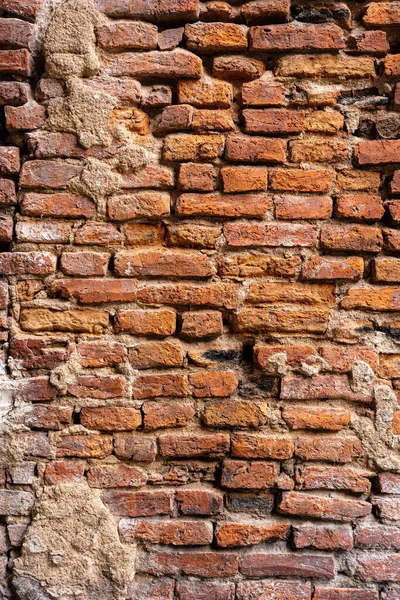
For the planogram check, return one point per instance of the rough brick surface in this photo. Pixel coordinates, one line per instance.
(200, 300)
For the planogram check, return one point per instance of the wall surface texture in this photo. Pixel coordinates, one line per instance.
(200, 300)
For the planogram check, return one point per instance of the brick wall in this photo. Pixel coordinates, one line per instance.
(200, 304)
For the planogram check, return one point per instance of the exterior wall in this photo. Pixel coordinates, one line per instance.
(200, 300)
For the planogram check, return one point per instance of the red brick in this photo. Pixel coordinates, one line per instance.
(48, 174)
(165, 10)
(139, 504)
(263, 92)
(114, 476)
(39, 352)
(321, 387)
(320, 268)
(216, 295)
(129, 446)
(146, 322)
(294, 320)
(57, 205)
(9, 160)
(240, 474)
(6, 229)
(216, 37)
(254, 149)
(319, 150)
(377, 298)
(195, 177)
(372, 42)
(257, 265)
(273, 121)
(228, 413)
(206, 93)
(201, 324)
(32, 263)
(43, 319)
(359, 238)
(127, 35)
(144, 234)
(277, 38)
(284, 565)
(200, 564)
(247, 534)
(323, 537)
(379, 536)
(111, 418)
(331, 449)
(158, 65)
(187, 147)
(7, 192)
(161, 588)
(175, 533)
(214, 384)
(36, 389)
(157, 415)
(360, 207)
(144, 204)
(358, 181)
(97, 233)
(299, 180)
(304, 417)
(27, 117)
(147, 355)
(384, 570)
(199, 502)
(273, 589)
(312, 294)
(236, 67)
(16, 62)
(303, 207)
(389, 483)
(93, 386)
(182, 445)
(63, 471)
(337, 509)
(155, 386)
(223, 205)
(244, 179)
(93, 291)
(13, 93)
(203, 590)
(326, 66)
(377, 152)
(247, 445)
(166, 263)
(41, 416)
(313, 477)
(84, 446)
(40, 232)
(84, 264)
(275, 234)
(345, 594)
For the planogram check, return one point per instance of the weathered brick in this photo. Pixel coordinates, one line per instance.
(237, 67)
(323, 537)
(240, 474)
(114, 476)
(202, 590)
(181, 147)
(195, 177)
(379, 536)
(62, 204)
(84, 446)
(96, 290)
(44, 319)
(247, 445)
(154, 386)
(201, 324)
(254, 149)
(351, 237)
(216, 295)
(272, 293)
(159, 415)
(331, 449)
(325, 65)
(295, 320)
(257, 265)
(15, 503)
(273, 121)
(217, 383)
(154, 64)
(327, 477)
(300, 180)
(127, 35)
(147, 355)
(64, 471)
(146, 322)
(205, 93)
(262, 10)
(273, 589)
(345, 594)
(134, 447)
(175, 533)
(274, 234)
(320, 268)
(304, 417)
(263, 92)
(166, 263)
(223, 205)
(248, 534)
(139, 504)
(234, 414)
(7, 192)
(377, 298)
(276, 38)
(244, 179)
(107, 418)
(337, 509)
(194, 445)
(275, 565)
(200, 564)
(379, 152)
(386, 569)
(215, 37)
(144, 204)
(199, 502)
(16, 62)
